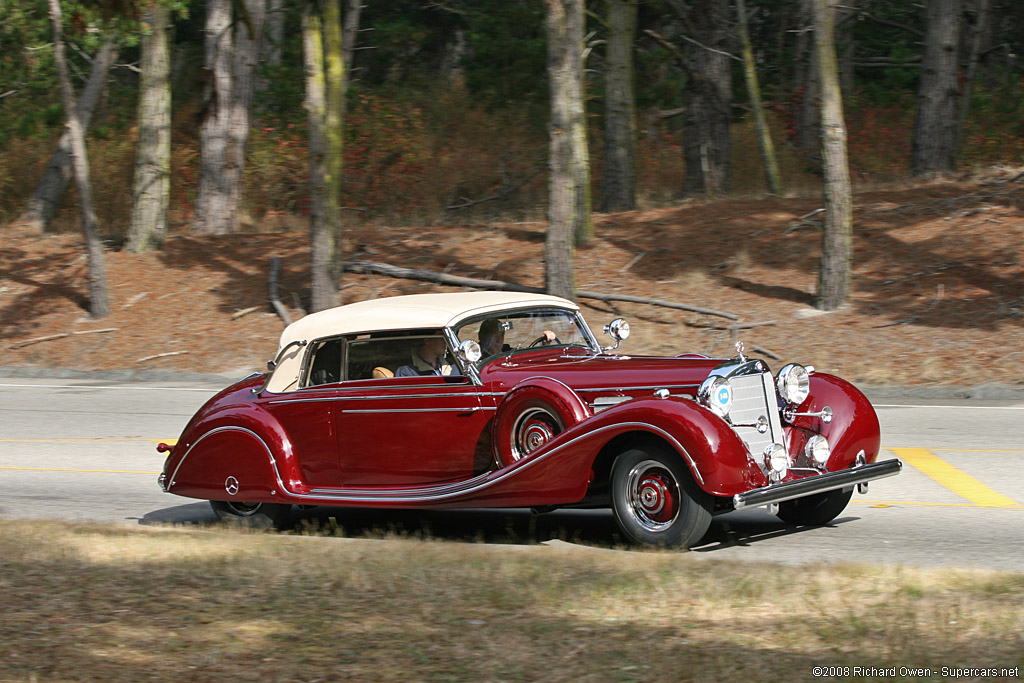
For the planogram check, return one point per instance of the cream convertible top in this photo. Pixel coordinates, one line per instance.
(417, 311)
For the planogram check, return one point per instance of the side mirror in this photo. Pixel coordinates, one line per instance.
(618, 330)
(469, 351)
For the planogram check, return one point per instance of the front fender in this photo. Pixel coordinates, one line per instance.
(715, 455)
(854, 426)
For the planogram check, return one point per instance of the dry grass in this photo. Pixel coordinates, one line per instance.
(90, 603)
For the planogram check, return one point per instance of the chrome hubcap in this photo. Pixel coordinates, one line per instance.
(531, 430)
(243, 509)
(653, 495)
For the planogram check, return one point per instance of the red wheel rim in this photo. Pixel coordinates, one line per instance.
(653, 495)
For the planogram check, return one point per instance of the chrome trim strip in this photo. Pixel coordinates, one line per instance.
(472, 409)
(420, 489)
(362, 496)
(778, 493)
(644, 388)
(321, 399)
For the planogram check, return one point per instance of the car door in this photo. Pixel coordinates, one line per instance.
(406, 431)
(306, 415)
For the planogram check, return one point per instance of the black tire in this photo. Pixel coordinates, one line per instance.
(821, 508)
(252, 515)
(656, 501)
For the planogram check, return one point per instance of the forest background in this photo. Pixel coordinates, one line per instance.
(447, 109)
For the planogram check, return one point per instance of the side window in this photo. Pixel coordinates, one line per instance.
(325, 366)
(408, 353)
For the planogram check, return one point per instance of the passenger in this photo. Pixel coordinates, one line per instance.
(428, 359)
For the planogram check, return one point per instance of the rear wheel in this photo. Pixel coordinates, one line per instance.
(251, 515)
(656, 501)
(821, 508)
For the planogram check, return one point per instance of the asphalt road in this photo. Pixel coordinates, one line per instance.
(84, 450)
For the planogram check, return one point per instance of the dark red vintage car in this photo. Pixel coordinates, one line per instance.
(495, 399)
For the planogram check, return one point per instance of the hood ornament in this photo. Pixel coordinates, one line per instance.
(739, 352)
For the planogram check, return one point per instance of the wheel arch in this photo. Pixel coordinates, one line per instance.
(641, 439)
(245, 444)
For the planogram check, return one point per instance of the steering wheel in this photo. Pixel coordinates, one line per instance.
(542, 338)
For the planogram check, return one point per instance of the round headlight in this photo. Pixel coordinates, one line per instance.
(817, 449)
(777, 460)
(794, 384)
(715, 394)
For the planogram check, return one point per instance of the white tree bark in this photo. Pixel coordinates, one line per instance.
(214, 214)
(151, 189)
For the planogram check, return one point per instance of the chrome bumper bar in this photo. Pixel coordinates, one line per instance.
(778, 493)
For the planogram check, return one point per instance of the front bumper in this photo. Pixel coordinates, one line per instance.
(778, 493)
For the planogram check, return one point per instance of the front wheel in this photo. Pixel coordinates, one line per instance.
(656, 501)
(251, 515)
(821, 508)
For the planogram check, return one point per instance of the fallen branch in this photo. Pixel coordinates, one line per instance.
(803, 221)
(37, 340)
(766, 352)
(245, 311)
(654, 302)
(162, 355)
(375, 268)
(734, 326)
(105, 329)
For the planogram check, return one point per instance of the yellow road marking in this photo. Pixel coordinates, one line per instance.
(965, 450)
(64, 469)
(957, 450)
(914, 503)
(956, 480)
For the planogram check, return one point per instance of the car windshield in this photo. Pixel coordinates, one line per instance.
(513, 331)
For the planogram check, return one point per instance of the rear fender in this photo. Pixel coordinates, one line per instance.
(239, 441)
(227, 463)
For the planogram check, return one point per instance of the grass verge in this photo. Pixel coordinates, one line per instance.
(84, 603)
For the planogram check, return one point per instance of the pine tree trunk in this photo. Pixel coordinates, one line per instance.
(44, 203)
(152, 184)
(334, 72)
(836, 251)
(575, 20)
(706, 139)
(323, 285)
(243, 71)
(270, 45)
(773, 177)
(935, 128)
(808, 122)
(618, 183)
(99, 303)
(980, 28)
(214, 214)
(563, 181)
(349, 38)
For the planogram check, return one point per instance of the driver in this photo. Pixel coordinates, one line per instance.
(492, 337)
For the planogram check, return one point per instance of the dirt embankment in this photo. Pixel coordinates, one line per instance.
(938, 286)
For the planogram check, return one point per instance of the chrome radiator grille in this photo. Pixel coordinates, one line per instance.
(753, 396)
